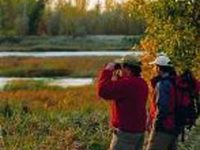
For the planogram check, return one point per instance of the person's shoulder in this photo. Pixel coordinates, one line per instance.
(169, 83)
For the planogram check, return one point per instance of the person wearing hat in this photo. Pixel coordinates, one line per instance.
(128, 95)
(163, 135)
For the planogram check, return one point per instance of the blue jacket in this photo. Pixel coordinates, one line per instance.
(165, 102)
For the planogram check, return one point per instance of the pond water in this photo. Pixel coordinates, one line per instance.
(63, 82)
(69, 53)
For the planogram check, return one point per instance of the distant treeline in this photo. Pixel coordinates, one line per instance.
(67, 17)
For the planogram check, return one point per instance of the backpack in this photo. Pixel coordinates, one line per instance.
(187, 103)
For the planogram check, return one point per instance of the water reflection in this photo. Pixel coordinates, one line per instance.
(63, 82)
(61, 54)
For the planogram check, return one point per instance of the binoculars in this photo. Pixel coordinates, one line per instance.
(117, 66)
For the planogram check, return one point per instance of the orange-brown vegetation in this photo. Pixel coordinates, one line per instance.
(67, 99)
(52, 66)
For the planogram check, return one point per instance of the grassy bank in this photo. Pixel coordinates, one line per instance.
(55, 129)
(37, 117)
(192, 140)
(37, 94)
(49, 67)
(64, 43)
(64, 130)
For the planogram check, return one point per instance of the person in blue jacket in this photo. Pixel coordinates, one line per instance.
(164, 133)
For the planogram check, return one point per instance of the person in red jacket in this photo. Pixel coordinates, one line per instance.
(128, 94)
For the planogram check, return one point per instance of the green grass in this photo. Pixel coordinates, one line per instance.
(193, 139)
(35, 116)
(64, 43)
(62, 130)
(55, 130)
(76, 117)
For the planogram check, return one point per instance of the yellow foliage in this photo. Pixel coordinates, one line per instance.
(149, 47)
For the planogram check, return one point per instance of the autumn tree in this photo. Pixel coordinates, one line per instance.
(67, 17)
(172, 28)
(20, 17)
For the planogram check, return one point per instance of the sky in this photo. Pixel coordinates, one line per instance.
(92, 3)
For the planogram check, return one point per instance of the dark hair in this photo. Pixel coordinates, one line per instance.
(136, 70)
(173, 72)
(165, 69)
(117, 66)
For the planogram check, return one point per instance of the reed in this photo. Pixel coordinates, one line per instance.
(64, 43)
(52, 66)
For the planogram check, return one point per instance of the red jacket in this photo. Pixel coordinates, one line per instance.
(128, 106)
(198, 86)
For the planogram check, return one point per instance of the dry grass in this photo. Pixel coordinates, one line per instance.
(62, 66)
(71, 99)
(53, 119)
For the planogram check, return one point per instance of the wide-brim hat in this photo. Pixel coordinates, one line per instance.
(129, 60)
(162, 61)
